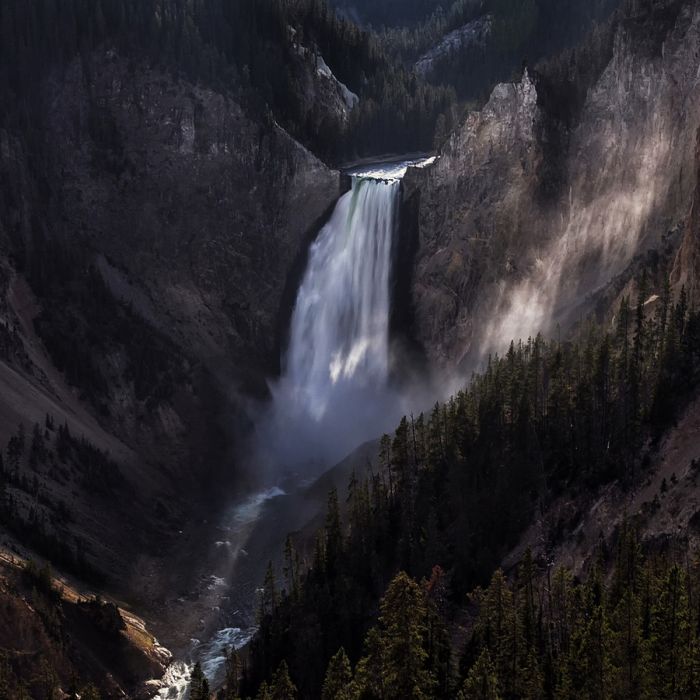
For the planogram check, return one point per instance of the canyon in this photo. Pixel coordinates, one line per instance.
(170, 226)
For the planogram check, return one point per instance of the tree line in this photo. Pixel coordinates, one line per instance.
(456, 488)
(543, 634)
(247, 48)
(521, 32)
(391, 13)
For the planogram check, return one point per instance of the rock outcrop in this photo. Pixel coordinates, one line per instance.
(203, 209)
(144, 260)
(545, 195)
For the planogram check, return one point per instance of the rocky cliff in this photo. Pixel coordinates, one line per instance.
(198, 209)
(148, 237)
(686, 267)
(549, 192)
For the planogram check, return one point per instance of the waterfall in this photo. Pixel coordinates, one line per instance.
(340, 326)
(333, 391)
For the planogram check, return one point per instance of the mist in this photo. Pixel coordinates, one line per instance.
(617, 186)
(337, 389)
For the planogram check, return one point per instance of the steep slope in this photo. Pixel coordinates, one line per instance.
(549, 192)
(686, 267)
(389, 13)
(663, 504)
(471, 45)
(202, 212)
(146, 244)
(560, 434)
(54, 635)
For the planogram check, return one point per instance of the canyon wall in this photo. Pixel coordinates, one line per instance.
(540, 199)
(149, 231)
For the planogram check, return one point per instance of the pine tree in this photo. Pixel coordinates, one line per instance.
(369, 674)
(588, 668)
(629, 652)
(528, 609)
(264, 692)
(281, 687)
(199, 685)
(403, 613)
(671, 641)
(481, 683)
(337, 684)
(439, 661)
(497, 628)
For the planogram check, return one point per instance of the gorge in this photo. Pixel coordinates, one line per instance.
(334, 392)
(221, 346)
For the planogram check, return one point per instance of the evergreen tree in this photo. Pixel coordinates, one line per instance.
(264, 692)
(671, 641)
(281, 687)
(438, 647)
(337, 684)
(369, 674)
(481, 683)
(403, 613)
(199, 685)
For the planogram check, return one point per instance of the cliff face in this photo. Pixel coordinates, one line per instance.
(146, 241)
(198, 206)
(686, 266)
(471, 214)
(540, 199)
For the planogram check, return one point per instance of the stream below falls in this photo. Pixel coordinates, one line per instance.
(338, 357)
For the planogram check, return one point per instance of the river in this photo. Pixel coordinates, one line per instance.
(332, 396)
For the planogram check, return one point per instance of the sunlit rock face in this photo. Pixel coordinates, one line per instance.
(471, 201)
(685, 272)
(531, 209)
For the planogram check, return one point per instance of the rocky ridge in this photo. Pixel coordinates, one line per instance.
(159, 229)
(531, 207)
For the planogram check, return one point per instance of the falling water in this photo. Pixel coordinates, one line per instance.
(335, 370)
(340, 326)
(333, 393)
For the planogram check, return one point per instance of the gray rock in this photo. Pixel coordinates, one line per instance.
(526, 214)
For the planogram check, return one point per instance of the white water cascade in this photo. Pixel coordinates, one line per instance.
(340, 327)
(333, 392)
